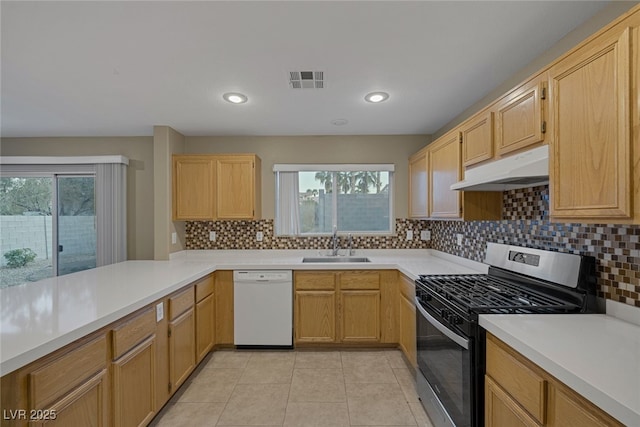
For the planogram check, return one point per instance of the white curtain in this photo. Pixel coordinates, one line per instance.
(111, 213)
(287, 208)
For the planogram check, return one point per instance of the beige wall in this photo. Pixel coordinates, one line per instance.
(394, 149)
(139, 150)
(166, 142)
(572, 39)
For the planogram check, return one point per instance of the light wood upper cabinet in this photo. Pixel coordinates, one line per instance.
(208, 187)
(238, 187)
(519, 117)
(419, 184)
(193, 188)
(477, 139)
(591, 92)
(444, 170)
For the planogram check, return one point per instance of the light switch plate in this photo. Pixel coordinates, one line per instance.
(212, 236)
(259, 236)
(159, 311)
(174, 238)
(409, 234)
(459, 238)
(425, 235)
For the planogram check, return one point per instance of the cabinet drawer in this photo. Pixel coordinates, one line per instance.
(62, 375)
(126, 336)
(204, 288)
(360, 280)
(314, 280)
(515, 376)
(179, 303)
(407, 288)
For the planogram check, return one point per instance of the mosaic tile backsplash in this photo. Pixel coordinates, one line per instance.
(525, 223)
(242, 235)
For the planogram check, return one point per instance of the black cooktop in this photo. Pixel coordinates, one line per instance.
(481, 293)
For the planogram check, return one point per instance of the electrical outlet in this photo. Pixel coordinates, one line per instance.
(425, 235)
(409, 234)
(459, 238)
(212, 236)
(159, 311)
(174, 238)
(259, 236)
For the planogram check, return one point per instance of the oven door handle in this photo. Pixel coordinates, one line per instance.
(464, 343)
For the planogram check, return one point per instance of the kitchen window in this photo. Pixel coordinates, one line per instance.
(312, 199)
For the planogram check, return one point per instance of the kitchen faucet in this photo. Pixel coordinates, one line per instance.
(336, 242)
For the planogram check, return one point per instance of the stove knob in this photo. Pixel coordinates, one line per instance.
(444, 314)
(427, 297)
(456, 320)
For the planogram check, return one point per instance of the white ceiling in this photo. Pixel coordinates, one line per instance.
(118, 68)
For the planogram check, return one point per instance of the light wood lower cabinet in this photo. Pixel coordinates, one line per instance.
(73, 389)
(224, 308)
(346, 307)
(205, 316)
(520, 393)
(360, 315)
(182, 339)
(407, 320)
(315, 316)
(502, 410)
(134, 385)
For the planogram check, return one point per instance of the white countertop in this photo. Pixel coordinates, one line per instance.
(41, 317)
(596, 355)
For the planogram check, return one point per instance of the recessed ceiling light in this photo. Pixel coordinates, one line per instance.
(376, 97)
(339, 122)
(235, 98)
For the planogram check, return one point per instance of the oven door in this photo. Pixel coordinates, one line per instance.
(445, 362)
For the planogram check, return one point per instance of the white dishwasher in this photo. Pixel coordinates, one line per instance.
(263, 308)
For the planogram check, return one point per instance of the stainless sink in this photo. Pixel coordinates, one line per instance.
(336, 259)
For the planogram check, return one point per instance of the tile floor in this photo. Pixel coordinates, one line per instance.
(297, 388)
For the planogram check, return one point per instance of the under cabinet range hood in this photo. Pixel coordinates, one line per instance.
(522, 170)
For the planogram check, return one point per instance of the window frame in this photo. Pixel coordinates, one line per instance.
(334, 169)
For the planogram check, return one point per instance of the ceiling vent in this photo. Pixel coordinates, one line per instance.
(306, 79)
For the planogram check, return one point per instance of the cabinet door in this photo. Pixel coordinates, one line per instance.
(477, 139)
(134, 385)
(360, 316)
(418, 185)
(205, 314)
(501, 410)
(193, 188)
(182, 349)
(224, 307)
(519, 117)
(84, 406)
(445, 169)
(408, 330)
(567, 409)
(315, 316)
(590, 167)
(236, 187)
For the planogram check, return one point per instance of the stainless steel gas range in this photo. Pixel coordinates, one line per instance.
(450, 343)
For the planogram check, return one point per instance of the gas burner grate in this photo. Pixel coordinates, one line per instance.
(481, 293)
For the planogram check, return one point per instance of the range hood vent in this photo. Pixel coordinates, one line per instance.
(523, 170)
